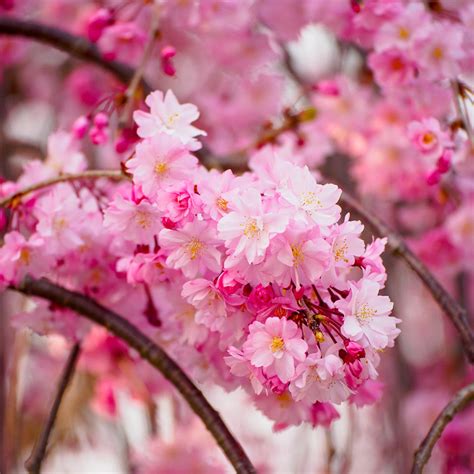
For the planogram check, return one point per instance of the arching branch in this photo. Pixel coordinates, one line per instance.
(34, 462)
(149, 351)
(74, 45)
(458, 403)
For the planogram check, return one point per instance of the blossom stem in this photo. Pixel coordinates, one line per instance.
(458, 403)
(135, 82)
(76, 46)
(149, 351)
(34, 462)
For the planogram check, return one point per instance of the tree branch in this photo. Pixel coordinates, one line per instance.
(33, 463)
(90, 174)
(76, 46)
(458, 403)
(150, 351)
(450, 306)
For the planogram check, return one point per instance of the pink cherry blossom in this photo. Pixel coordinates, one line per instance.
(312, 202)
(168, 116)
(301, 256)
(428, 137)
(275, 344)
(366, 316)
(247, 229)
(160, 161)
(138, 222)
(193, 248)
(320, 379)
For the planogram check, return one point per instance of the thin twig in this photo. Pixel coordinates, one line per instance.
(148, 350)
(135, 82)
(458, 403)
(76, 46)
(90, 174)
(33, 463)
(450, 306)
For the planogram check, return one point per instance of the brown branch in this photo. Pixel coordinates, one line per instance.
(458, 403)
(148, 350)
(76, 46)
(450, 306)
(33, 463)
(90, 174)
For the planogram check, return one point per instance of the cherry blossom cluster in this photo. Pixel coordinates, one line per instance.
(254, 280)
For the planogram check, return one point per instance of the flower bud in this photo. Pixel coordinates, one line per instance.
(80, 126)
(98, 22)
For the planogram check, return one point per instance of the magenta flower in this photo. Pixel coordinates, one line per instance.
(275, 345)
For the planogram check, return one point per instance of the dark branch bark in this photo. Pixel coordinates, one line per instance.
(451, 307)
(458, 403)
(150, 351)
(76, 46)
(33, 463)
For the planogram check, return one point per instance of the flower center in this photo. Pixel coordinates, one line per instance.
(397, 64)
(428, 138)
(172, 119)
(161, 168)
(222, 204)
(194, 247)
(438, 53)
(340, 251)
(365, 313)
(25, 256)
(277, 344)
(251, 229)
(143, 219)
(404, 33)
(60, 223)
(298, 255)
(309, 199)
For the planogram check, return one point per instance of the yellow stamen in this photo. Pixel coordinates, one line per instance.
(25, 256)
(340, 251)
(161, 168)
(365, 313)
(438, 53)
(251, 229)
(172, 119)
(143, 219)
(319, 336)
(194, 248)
(298, 255)
(428, 138)
(277, 344)
(404, 33)
(222, 204)
(60, 223)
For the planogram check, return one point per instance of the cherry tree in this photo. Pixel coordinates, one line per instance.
(213, 205)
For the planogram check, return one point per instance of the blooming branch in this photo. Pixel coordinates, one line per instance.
(33, 463)
(150, 351)
(458, 403)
